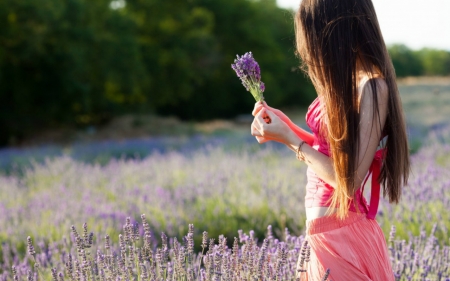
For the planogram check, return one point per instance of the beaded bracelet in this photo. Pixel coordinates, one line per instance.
(300, 155)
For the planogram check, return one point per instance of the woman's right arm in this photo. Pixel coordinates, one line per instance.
(303, 134)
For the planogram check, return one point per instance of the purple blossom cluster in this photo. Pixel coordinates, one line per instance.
(216, 189)
(140, 256)
(176, 188)
(427, 194)
(420, 258)
(247, 69)
(236, 190)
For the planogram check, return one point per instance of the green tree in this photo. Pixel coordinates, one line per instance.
(188, 47)
(60, 62)
(80, 62)
(405, 61)
(434, 62)
(425, 61)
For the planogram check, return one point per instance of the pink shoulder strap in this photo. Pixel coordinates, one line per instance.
(374, 169)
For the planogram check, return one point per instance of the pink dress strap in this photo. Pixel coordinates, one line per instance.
(375, 169)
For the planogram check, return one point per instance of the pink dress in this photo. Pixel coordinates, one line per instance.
(354, 248)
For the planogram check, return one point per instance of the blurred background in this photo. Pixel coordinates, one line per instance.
(78, 70)
(116, 108)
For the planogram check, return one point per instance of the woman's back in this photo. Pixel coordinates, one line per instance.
(340, 42)
(318, 192)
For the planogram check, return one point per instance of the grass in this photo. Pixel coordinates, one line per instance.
(220, 181)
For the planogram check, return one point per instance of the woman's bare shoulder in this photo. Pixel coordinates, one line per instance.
(366, 92)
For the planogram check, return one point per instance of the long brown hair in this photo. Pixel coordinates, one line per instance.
(332, 37)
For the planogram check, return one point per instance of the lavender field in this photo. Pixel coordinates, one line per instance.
(218, 190)
(218, 184)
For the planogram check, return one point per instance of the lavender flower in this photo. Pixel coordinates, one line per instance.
(31, 250)
(325, 277)
(423, 255)
(85, 236)
(107, 242)
(303, 256)
(190, 246)
(392, 233)
(14, 272)
(204, 239)
(54, 274)
(420, 258)
(145, 226)
(69, 267)
(247, 69)
(262, 258)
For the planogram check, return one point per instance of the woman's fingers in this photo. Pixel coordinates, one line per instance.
(255, 132)
(263, 117)
(262, 139)
(260, 105)
(260, 120)
(254, 129)
(267, 125)
(257, 108)
(258, 136)
(270, 114)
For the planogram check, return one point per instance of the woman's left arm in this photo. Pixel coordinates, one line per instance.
(321, 164)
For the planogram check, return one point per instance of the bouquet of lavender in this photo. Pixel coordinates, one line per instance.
(247, 69)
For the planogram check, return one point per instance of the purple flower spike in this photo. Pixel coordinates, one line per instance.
(247, 69)
(262, 87)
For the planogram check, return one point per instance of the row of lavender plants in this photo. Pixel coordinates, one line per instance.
(213, 188)
(219, 190)
(139, 257)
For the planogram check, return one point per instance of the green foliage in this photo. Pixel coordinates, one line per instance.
(406, 63)
(435, 62)
(78, 62)
(426, 61)
(65, 63)
(196, 44)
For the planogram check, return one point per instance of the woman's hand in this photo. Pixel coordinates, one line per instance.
(273, 129)
(262, 104)
(259, 105)
(304, 135)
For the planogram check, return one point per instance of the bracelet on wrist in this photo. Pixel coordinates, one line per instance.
(300, 155)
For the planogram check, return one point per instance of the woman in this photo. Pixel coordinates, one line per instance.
(358, 104)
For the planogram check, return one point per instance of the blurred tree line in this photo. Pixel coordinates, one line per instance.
(75, 63)
(81, 62)
(424, 62)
